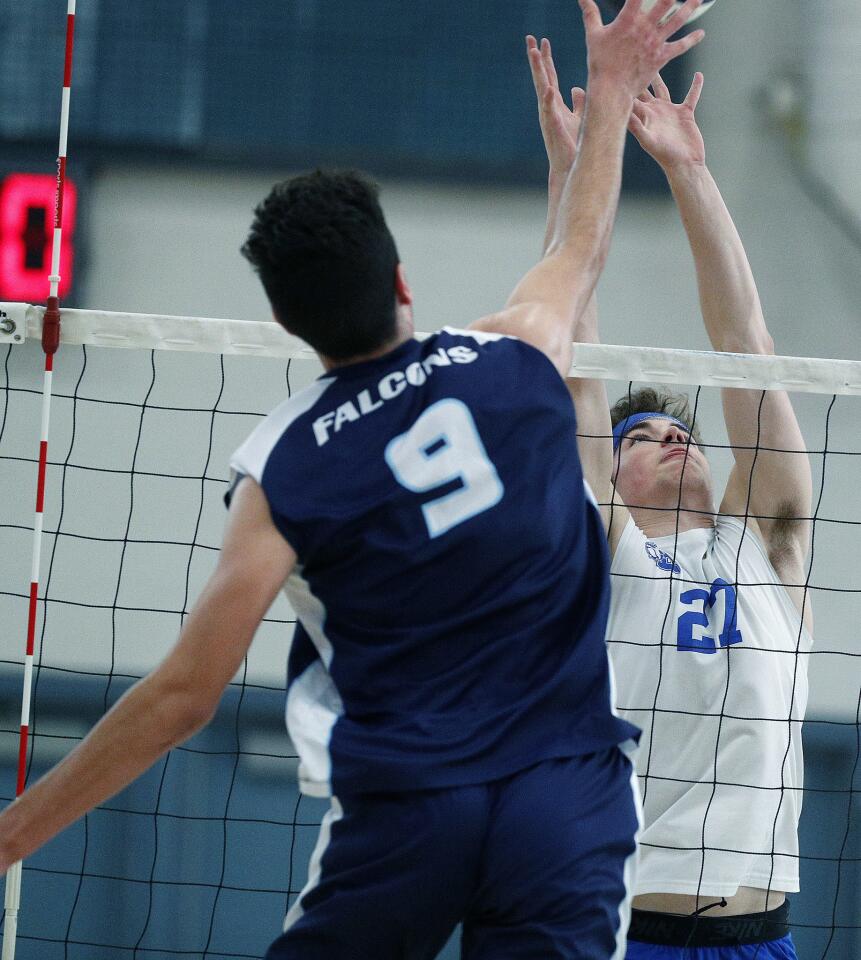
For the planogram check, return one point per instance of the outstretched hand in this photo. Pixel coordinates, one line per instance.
(560, 124)
(668, 131)
(629, 51)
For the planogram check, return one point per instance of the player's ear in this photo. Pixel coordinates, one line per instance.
(403, 293)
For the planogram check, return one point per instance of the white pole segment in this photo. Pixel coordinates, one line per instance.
(13, 902)
(64, 120)
(28, 686)
(46, 404)
(54, 279)
(36, 560)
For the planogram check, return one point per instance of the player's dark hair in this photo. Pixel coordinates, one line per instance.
(320, 245)
(651, 400)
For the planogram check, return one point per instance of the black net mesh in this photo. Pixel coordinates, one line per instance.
(201, 856)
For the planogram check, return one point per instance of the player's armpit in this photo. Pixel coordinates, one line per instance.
(771, 479)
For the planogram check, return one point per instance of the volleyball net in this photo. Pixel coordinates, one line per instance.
(202, 856)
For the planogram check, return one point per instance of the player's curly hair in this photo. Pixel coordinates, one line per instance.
(321, 247)
(652, 400)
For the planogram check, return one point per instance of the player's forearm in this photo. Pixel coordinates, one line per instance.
(556, 181)
(561, 285)
(590, 195)
(586, 327)
(728, 296)
(152, 717)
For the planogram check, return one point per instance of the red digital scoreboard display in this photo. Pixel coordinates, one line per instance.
(27, 203)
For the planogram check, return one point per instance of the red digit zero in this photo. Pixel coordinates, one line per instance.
(27, 205)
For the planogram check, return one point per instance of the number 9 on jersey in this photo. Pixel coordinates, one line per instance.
(442, 446)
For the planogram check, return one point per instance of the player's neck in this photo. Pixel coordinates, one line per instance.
(667, 523)
(404, 330)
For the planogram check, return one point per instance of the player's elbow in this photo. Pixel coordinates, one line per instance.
(198, 713)
(183, 710)
(756, 340)
(195, 711)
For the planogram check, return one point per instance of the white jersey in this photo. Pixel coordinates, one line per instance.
(710, 658)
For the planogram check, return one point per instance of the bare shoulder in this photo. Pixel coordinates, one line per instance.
(503, 322)
(251, 539)
(514, 321)
(534, 323)
(248, 506)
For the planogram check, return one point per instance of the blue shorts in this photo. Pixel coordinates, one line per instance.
(534, 865)
(782, 949)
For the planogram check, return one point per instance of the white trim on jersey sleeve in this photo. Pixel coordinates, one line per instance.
(250, 459)
(480, 336)
(313, 702)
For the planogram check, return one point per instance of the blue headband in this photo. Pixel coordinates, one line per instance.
(624, 427)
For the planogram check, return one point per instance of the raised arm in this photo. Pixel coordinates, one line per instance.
(177, 698)
(771, 479)
(560, 128)
(623, 56)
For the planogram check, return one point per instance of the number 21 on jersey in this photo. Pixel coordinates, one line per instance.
(441, 447)
(730, 634)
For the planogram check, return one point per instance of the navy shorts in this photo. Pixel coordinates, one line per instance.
(536, 865)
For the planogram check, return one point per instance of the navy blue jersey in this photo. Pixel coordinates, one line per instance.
(452, 581)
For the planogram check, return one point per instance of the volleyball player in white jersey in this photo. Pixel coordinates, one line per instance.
(708, 625)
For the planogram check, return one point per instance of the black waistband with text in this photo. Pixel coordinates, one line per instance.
(672, 930)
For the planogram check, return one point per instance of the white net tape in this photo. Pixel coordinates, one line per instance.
(599, 361)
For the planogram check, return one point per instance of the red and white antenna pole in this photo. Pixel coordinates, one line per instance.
(50, 342)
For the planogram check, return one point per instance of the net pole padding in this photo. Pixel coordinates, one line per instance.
(599, 361)
(50, 338)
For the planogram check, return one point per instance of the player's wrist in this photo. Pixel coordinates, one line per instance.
(688, 173)
(607, 94)
(558, 177)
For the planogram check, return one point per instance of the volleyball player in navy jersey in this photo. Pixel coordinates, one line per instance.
(423, 506)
